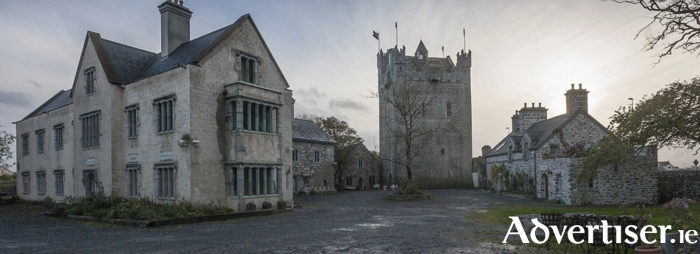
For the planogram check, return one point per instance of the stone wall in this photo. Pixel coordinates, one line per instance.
(678, 184)
(321, 173)
(361, 174)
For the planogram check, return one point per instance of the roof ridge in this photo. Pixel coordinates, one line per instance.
(128, 46)
(46, 103)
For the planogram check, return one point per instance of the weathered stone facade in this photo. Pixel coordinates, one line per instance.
(206, 121)
(447, 154)
(363, 172)
(541, 158)
(309, 140)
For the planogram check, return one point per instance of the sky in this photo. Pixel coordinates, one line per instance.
(522, 51)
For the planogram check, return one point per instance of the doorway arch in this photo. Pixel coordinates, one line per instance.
(545, 186)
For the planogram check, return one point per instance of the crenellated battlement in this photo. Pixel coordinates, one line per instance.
(394, 63)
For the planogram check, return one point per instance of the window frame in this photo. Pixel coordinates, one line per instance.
(58, 137)
(41, 183)
(90, 129)
(348, 181)
(90, 87)
(25, 143)
(246, 73)
(170, 169)
(317, 156)
(448, 109)
(26, 183)
(164, 114)
(59, 182)
(295, 155)
(40, 140)
(132, 172)
(133, 121)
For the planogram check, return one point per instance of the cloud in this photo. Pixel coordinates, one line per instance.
(34, 83)
(311, 92)
(18, 99)
(347, 104)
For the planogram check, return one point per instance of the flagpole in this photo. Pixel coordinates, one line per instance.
(396, 25)
(464, 33)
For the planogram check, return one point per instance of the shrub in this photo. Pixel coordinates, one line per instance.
(100, 206)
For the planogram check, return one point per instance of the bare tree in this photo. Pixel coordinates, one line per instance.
(680, 22)
(408, 103)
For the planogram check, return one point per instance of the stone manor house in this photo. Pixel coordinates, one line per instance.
(446, 156)
(540, 157)
(207, 120)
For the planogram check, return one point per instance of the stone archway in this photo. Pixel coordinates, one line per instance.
(90, 183)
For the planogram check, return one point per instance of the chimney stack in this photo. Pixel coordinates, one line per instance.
(576, 99)
(174, 25)
(529, 116)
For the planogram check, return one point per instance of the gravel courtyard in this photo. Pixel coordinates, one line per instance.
(350, 222)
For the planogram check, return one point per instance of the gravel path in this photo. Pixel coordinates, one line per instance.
(350, 222)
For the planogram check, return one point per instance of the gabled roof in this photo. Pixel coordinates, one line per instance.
(124, 64)
(308, 131)
(61, 99)
(421, 47)
(540, 132)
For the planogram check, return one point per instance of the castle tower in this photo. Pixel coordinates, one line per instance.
(446, 155)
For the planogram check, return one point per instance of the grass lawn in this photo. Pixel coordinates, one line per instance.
(497, 216)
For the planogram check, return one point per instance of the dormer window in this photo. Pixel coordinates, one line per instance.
(90, 80)
(248, 68)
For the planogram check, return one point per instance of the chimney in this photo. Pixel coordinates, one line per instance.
(530, 116)
(485, 150)
(174, 26)
(576, 99)
(515, 122)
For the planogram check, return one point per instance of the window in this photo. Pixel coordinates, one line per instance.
(25, 144)
(164, 116)
(26, 184)
(257, 116)
(58, 137)
(165, 181)
(132, 180)
(553, 150)
(557, 183)
(248, 69)
(295, 155)
(132, 121)
(60, 178)
(591, 183)
(90, 80)
(372, 181)
(442, 151)
(317, 156)
(41, 183)
(259, 181)
(307, 180)
(233, 182)
(359, 163)
(448, 109)
(348, 181)
(90, 124)
(40, 141)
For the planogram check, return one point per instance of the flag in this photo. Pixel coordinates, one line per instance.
(443, 48)
(396, 24)
(464, 31)
(375, 35)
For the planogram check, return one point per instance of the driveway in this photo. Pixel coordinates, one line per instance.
(350, 222)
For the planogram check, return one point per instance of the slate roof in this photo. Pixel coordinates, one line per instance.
(61, 99)
(421, 47)
(128, 62)
(539, 133)
(308, 131)
(124, 64)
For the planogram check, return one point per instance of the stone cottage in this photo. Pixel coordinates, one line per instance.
(207, 120)
(444, 157)
(363, 173)
(313, 156)
(543, 156)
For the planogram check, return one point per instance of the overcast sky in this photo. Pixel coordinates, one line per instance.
(522, 51)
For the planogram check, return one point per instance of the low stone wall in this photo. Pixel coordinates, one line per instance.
(678, 184)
